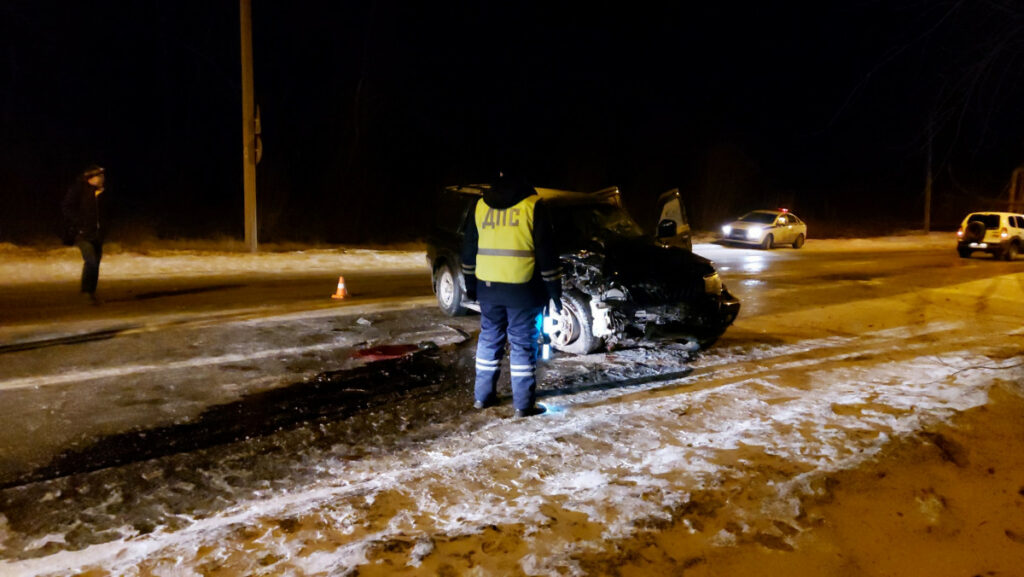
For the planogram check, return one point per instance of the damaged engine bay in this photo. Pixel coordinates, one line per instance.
(635, 299)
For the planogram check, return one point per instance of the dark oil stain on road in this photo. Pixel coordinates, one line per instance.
(100, 335)
(134, 483)
(385, 352)
(406, 381)
(390, 371)
(185, 291)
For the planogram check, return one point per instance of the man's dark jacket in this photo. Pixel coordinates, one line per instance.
(534, 293)
(83, 213)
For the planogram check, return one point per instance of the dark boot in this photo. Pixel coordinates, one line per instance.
(490, 402)
(530, 411)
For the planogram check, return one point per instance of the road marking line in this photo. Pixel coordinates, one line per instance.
(78, 376)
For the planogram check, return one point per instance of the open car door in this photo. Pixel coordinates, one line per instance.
(673, 228)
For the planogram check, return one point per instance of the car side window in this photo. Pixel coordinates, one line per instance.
(467, 214)
(990, 221)
(451, 211)
(783, 221)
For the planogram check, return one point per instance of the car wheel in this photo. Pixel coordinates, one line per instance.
(768, 242)
(963, 252)
(799, 242)
(575, 334)
(1011, 251)
(449, 292)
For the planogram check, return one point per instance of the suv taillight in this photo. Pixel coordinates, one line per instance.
(1003, 233)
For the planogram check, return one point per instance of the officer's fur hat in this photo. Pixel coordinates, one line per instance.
(93, 170)
(509, 190)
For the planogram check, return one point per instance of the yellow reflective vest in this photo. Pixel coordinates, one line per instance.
(505, 247)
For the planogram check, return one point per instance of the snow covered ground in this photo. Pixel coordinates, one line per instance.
(29, 265)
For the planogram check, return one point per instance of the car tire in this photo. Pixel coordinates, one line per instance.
(768, 242)
(799, 242)
(576, 336)
(449, 292)
(1011, 251)
(963, 252)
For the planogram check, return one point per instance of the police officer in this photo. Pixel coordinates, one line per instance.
(511, 266)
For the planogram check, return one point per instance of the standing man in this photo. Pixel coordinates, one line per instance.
(83, 212)
(509, 247)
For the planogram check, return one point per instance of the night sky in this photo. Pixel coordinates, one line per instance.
(368, 108)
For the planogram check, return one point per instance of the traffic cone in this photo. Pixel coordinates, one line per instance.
(342, 292)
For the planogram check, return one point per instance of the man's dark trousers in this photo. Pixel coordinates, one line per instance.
(520, 326)
(92, 252)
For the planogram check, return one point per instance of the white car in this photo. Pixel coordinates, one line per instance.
(767, 228)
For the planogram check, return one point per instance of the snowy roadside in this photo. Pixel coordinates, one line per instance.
(28, 265)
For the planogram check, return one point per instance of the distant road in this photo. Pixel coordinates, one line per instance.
(125, 300)
(784, 279)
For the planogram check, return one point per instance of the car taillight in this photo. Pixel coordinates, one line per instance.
(1003, 233)
(960, 233)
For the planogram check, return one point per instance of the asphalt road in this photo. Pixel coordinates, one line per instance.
(198, 296)
(784, 279)
(72, 373)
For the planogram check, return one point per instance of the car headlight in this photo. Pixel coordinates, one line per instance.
(713, 284)
(726, 230)
(754, 232)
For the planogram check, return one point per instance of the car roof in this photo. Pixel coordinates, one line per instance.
(610, 195)
(994, 213)
(767, 211)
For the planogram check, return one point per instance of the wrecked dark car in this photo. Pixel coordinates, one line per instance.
(621, 287)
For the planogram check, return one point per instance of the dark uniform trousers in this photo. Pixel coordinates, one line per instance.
(92, 252)
(522, 331)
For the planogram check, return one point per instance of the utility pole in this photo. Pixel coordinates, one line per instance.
(248, 127)
(1016, 183)
(928, 186)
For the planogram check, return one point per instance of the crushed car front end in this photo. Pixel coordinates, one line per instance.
(640, 292)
